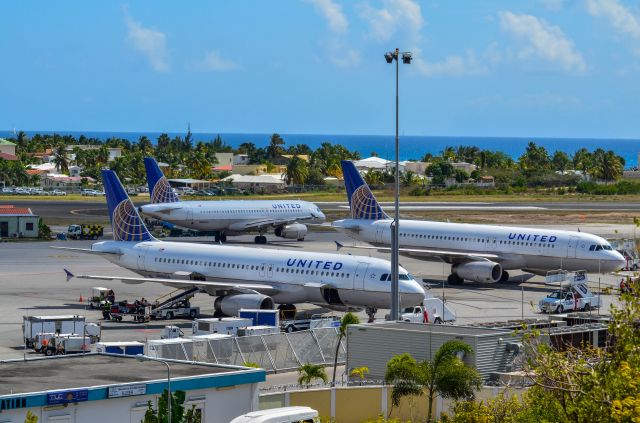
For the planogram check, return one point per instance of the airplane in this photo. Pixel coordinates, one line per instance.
(228, 217)
(244, 277)
(480, 253)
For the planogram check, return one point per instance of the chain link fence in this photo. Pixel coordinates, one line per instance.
(274, 352)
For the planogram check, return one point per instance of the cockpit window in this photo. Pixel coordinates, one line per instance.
(592, 247)
(607, 247)
(384, 277)
(405, 277)
(598, 247)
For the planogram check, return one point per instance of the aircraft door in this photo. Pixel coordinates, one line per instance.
(380, 235)
(142, 253)
(269, 270)
(189, 216)
(572, 246)
(359, 275)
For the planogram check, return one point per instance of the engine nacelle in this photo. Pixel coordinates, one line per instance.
(229, 305)
(479, 271)
(292, 231)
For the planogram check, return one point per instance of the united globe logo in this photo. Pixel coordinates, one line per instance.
(364, 205)
(127, 225)
(163, 193)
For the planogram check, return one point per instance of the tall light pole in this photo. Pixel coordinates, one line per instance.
(395, 227)
(142, 357)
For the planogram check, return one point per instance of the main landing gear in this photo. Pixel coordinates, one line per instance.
(220, 237)
(371, 312)
(504, 277)
(260, 239)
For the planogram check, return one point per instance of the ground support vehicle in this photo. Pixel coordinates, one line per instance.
(139, 312)
(67, 344)
(315, 322)
(33, 325)
(431, 310)
(573, 295)
(99, 296)
(280, 415)
(85, 231)
(258, 330)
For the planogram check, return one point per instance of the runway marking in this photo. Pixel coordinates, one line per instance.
(507, 208)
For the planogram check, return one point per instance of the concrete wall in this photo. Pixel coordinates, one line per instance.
(359, 403)
(217, 406)
(17, 225)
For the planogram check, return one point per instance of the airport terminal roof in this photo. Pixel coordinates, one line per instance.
(11, 210)
(98, 370)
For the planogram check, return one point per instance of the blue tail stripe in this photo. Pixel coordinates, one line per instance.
(125, 220)
(362, 202)
(159, 189)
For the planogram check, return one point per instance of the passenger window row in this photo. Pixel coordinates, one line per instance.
(481, 240)
(224, 265)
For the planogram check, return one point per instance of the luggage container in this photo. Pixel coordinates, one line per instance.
(124, 348)
(225, 325)
(261, 317)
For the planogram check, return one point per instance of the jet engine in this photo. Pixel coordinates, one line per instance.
(229, 305)
(292, 231)
(479, 271)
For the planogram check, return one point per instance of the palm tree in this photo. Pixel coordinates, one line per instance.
(145, 145)
(373, 177)
(347, 319)
(446, 375)
(270, 166)
(309, 372)
(275, 146)
(296, 171)
(60, 159)
(408, 178)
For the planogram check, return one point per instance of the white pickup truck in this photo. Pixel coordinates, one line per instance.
(432, 310)
(575, 297)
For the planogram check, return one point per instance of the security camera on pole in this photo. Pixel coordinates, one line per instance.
(395, 297)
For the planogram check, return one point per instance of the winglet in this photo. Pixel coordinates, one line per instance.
(338, 245)
(69, 275)
(159, 189)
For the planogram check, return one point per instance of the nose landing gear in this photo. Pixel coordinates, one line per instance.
(371, 312)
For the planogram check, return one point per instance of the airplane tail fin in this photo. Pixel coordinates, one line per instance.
(125, 220)
(362, 202)
(159, 189)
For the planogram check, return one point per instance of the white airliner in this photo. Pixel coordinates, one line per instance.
(228, 217)
(481, 253)
(244, 277)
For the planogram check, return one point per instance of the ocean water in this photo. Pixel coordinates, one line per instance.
(411, 146)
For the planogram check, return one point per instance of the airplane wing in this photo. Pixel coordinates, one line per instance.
(87, 250)
(261, 223)
(210, 287)
(442, 255)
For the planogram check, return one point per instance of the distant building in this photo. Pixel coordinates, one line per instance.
(64, 181)
(225, 162)
(419, 168)
(256, 169)
(7, 147)
(18, 222)
(190, 183)
(241, 159)
(486, 181)
(75, 170)
(284, 159)
(260, 183)
(114, 152)
(467, 167)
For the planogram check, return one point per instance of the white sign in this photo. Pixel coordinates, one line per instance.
(128, 390)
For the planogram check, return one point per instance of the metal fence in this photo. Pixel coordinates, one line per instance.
(275, 352)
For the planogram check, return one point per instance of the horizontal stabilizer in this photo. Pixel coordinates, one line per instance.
(87, 250)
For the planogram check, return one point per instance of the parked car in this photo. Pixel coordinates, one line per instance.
(7, 190)
(58, 192)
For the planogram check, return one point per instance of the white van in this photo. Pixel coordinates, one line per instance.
(280, 415)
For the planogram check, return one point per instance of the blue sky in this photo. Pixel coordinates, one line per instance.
(555, 68)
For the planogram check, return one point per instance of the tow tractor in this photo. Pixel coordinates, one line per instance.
(85, 231)
(573, 295)
(431, 310)
(99, 296)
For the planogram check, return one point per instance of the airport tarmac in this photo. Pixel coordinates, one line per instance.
(33, 282)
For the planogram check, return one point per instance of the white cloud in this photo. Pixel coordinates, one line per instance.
(213, 61)
(332, 13)
(150, 42)
(394, 15)
(621, 18)
(454, 65)
(543, 41)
